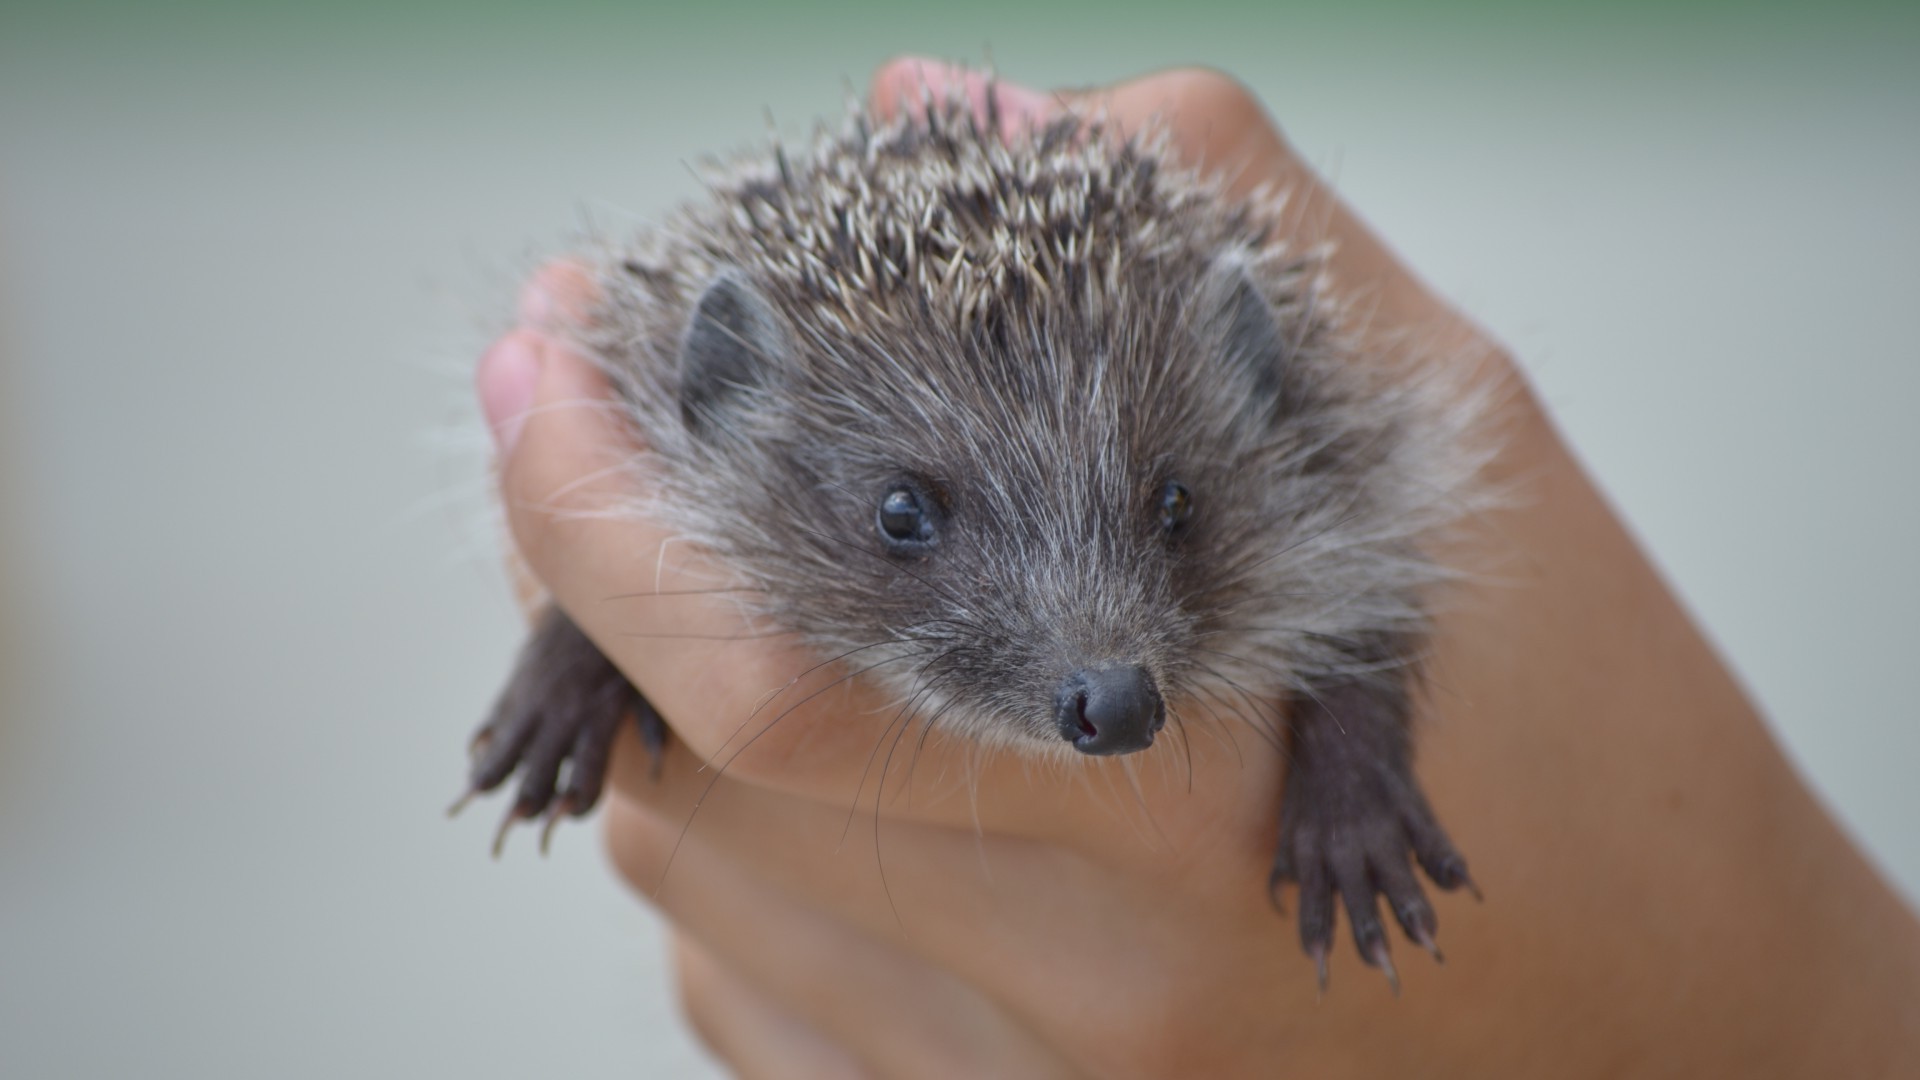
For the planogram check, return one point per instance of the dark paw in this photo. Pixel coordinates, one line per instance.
(553, 726)
(1357, 831)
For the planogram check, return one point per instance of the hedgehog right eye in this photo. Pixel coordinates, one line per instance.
(1176, 507)
(904, 522)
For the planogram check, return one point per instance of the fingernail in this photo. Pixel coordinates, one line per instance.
(506, 379)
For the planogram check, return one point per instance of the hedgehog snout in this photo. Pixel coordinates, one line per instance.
(1110, 710)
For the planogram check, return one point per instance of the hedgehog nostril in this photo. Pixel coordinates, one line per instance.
(1080, 715)
(1113, 710)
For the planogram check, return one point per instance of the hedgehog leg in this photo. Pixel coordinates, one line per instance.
(554, 725)
(1352, 820)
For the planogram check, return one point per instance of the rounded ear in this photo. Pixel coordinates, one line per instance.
(735, 342)
(1242, 326)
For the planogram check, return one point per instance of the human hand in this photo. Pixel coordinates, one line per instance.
(1592, 756)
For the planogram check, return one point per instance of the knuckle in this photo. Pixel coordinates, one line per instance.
(638, 843)
(1216, 86)
(697, 993)
(1217, 94)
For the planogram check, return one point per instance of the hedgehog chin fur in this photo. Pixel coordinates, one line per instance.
(1015, 322)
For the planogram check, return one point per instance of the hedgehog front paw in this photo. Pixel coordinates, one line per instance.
(554, 725)
(1355, 830)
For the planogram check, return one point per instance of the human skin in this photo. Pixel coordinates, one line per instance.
(1663, 895)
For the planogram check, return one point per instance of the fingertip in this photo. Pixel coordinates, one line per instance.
(899, 83)
(1019, 107)
(566, 444)
(559, 298)
(506, 380)
(906, 83)
(562, 290)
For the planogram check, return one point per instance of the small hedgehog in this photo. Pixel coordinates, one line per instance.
(1065, 442)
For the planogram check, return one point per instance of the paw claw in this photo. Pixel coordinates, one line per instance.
(513, 817)
(1319, 955)
(1379, 957)
(460, 803)
(1424, 938)
(561, 808)
(1465, 879)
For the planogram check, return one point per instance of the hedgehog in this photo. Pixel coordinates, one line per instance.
(1063, 440)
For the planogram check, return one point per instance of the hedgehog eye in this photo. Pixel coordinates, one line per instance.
(1176, 506)
(904, 523)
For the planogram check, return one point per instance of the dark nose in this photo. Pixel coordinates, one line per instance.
(1112, 710)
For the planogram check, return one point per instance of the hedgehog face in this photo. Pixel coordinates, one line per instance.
(1038, 536)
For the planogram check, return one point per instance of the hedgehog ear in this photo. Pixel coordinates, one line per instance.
(734, 343)
(1246, 332)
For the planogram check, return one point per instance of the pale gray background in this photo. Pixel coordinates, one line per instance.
(245, 263)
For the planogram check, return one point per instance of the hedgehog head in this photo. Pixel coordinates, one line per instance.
(1052, 439)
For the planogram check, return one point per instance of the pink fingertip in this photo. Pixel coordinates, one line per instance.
(560, 289)
(916, 79)
(1020, 107)
(506, 380)
(536, 303)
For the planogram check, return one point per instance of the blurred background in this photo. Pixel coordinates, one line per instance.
(251, 602)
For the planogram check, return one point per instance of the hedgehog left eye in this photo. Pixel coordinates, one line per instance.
(1176, 506)
(904, 522)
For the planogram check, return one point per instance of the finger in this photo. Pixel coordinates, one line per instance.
(879, 1004)
(1029, 926)
(749, 1031)
(834, 855)
(910, 83)
(509, 373)
(505, 380)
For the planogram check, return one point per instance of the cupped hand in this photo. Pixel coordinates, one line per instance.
(855, 894)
